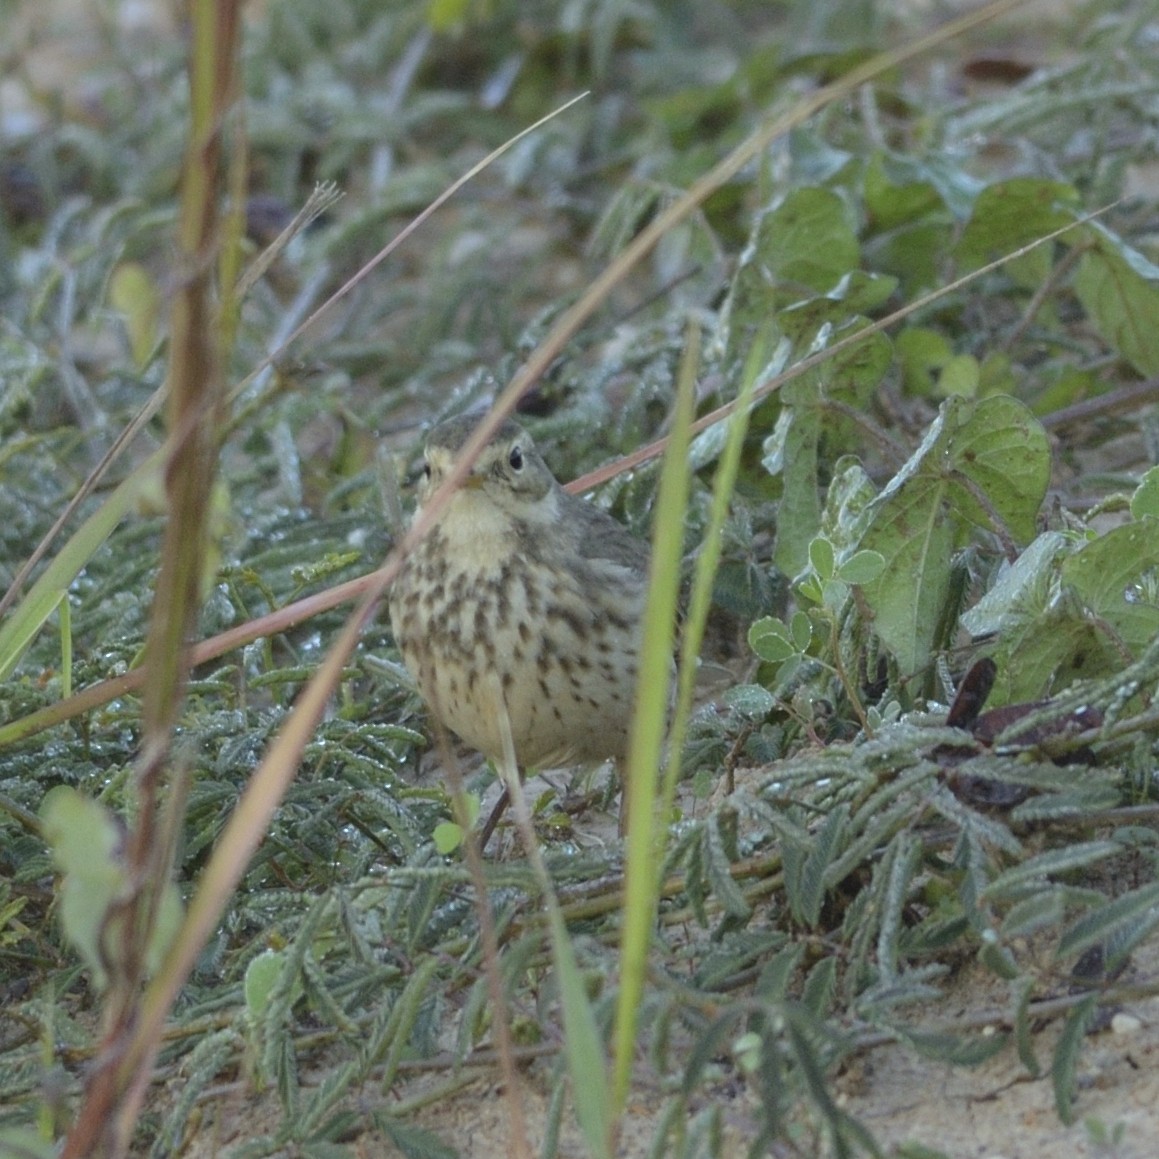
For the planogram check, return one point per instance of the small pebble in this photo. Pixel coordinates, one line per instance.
(1125, 1024)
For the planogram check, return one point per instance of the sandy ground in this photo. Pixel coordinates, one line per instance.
(993, 1111)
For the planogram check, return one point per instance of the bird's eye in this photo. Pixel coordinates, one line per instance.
(515, 458)
(426, 470)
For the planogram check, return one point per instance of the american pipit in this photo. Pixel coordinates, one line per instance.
(524, 604)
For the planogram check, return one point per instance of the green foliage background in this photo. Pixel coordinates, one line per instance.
(932, 493)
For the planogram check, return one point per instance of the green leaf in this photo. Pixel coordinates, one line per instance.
(86, 842)
(1023, 589)
(771, 640)
(863, 567)
(960, 375)
(791, 451)
(820, 986)
(912, 535)
(724, 888)
(1109, 920)
(415, 1142)
(1000, 448)
(1046, 907)
(1107, 576)
(261, 976)
(447, 15)
(959, 1049)
(821, 557)
(26, 619)
(1065, 1062)
(86, 846)
(26, 1143)
(134, 294)
(1145, 500)
(1010, 214)
(807, 240)
(896, 193)
(810, 892)
(801, 630)
(997, 958)
(751, 700)
(848, 503)
(1119, 289)
(1023, 1037)
(1051, 609)
(1053, 861)
(778, 973)
(993, 449)
(447, 837)
(930, 367)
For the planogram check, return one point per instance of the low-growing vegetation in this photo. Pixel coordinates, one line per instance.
(916, 521)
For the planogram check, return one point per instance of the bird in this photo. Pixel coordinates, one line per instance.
(522, 608)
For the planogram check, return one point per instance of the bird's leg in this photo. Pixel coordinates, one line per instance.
(493, 820)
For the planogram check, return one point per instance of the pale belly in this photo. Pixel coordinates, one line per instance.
(509, 646)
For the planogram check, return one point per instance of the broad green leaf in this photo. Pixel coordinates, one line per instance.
(793, 447)
(1023, 589)
(915, 539)
(807, 239)
(1047, 654)
(992, 448)
(1119, 289)
(447, 15)
(1000, 447)
(1145, 500)
(86, 844)
(1010, 214)
(922, 353)
(1110, 577)
(896, 194)
(960, 375)
(1048, 609)
(829, 318)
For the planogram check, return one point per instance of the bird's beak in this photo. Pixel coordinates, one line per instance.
(472, 482)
